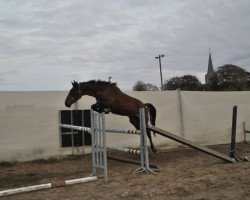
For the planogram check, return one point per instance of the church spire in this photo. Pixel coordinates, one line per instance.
(210, 68)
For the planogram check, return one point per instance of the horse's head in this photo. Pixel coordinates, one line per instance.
(74, 94)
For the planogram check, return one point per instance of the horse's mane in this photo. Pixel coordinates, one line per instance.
(100, 83)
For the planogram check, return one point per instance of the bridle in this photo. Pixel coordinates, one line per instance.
(78, 94)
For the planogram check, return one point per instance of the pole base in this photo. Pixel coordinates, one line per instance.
(146, 170)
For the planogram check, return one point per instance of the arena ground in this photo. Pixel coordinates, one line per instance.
(186, 174)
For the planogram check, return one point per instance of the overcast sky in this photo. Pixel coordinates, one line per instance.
(45, 44)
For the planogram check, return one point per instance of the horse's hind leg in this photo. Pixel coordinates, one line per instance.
(151, 142)
(136, 122)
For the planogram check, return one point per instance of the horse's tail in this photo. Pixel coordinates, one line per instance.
(152, 113)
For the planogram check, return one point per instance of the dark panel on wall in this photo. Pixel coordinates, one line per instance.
(78, 118)
(87, 123)
(77, 121)
(66, 137)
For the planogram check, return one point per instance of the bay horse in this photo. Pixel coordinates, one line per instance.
(111, 99)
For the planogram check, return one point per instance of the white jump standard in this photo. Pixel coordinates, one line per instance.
(99, 125)
(99, 152)
(98, 134)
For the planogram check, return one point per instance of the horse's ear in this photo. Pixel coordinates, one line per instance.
(75, 84)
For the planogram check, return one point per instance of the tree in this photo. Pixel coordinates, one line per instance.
(150, 87)
(186, 82)
(229, 77)
(141, 86)
(173, 83)
(213, 84)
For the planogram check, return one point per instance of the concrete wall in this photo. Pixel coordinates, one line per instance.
(29, 120)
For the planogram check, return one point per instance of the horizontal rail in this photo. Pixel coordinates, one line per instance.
(70, 133)
(80, 180)
(126, 160)
(125, 150)
(25, 189)
(87, 129)
(46, 186)
(79, 128)
(123, 131)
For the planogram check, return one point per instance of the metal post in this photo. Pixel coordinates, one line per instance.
(83, 132)
(233, 135)
(233, 153)
(60, 128)
(181, 113)
(104, 150)
(159, 58)
(144, 150)
(142, 143)
(98, 132)
(72, 132)
(244, 132)
(93, 142)
(160, 72)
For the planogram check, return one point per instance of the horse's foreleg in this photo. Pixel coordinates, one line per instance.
(100, 108)
(95, 107)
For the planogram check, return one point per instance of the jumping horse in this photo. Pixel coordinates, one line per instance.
(111, 99)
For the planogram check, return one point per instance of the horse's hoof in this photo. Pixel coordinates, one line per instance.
(106, 111)
(154, 150)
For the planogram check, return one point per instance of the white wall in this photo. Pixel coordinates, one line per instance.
(29, 120)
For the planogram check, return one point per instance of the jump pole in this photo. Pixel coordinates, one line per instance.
(125, 150)
(55, 184)
(126, 160)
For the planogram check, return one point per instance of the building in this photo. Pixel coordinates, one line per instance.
(210, 69)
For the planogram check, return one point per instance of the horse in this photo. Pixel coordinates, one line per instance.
(111, 99)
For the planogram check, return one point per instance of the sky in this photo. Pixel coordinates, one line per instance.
(45, 44)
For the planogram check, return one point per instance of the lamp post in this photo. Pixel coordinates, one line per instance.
(159, 58)
(110, 78)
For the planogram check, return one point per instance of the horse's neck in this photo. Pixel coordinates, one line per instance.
(90, 90)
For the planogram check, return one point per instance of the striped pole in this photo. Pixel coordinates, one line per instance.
(79, 128)
(123, 131)
(46, 186)
(125, 150)
(87, 129)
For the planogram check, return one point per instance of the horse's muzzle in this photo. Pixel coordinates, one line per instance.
(67, 104)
